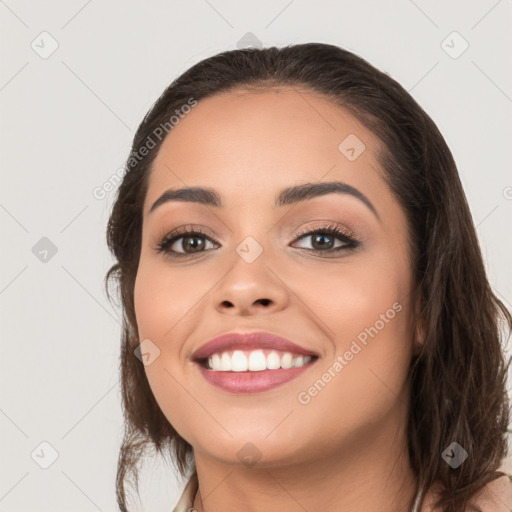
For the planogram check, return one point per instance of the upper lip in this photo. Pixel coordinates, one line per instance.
(249, 341)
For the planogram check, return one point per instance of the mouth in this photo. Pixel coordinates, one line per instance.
(254, 360)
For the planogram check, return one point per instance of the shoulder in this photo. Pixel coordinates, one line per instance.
(496, 496)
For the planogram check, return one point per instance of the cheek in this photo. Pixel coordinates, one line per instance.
(364, 309)
(163, 300)
(347, 298)
(161, 307)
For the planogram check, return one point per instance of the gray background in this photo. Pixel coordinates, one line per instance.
(67, 123)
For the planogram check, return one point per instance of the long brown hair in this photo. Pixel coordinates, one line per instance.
(458, 380)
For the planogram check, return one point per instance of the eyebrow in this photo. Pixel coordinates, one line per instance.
(287, 196)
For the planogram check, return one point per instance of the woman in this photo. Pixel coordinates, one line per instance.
(308, 322)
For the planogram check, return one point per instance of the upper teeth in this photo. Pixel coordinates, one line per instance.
(255, 361)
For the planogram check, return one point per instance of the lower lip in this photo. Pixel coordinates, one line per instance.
(252, 382)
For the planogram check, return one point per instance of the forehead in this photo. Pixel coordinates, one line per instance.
(258, 139)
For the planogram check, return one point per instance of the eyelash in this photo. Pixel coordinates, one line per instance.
(348, 238)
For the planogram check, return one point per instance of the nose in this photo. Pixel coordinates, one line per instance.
(251, 289)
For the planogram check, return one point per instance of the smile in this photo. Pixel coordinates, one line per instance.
(253, 371)
(254, 360)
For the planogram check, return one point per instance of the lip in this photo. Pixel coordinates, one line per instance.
(252, 382)
(249, 341)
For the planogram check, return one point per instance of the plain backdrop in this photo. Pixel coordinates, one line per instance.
(76, 78)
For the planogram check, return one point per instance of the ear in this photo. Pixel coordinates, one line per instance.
(419, 335)
(419, 331)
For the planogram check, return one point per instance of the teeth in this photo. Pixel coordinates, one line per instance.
(287, 360)
(256, 362)
(273, 361)
(238, 361)
(225, 363)
(298, 361)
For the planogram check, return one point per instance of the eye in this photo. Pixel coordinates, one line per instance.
(323, 239)
(184, 242)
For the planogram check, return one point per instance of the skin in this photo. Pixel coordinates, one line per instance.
(346, 448)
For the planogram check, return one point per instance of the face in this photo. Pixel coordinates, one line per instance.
(262, 264)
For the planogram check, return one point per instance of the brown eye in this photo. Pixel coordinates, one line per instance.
(187, 242)
(324, 240)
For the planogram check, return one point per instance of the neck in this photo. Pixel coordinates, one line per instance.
(370, 475)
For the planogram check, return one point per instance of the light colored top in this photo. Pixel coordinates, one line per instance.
(495, 497)
(186, 501)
